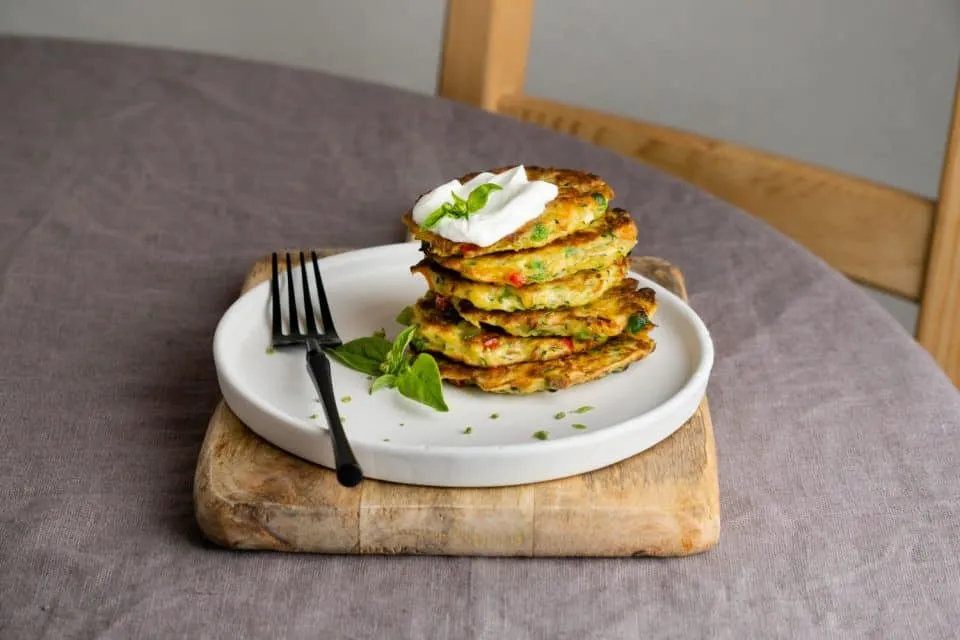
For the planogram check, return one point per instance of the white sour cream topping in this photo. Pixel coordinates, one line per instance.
(517, 202)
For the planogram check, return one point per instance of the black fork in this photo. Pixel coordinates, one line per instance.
(349, 473)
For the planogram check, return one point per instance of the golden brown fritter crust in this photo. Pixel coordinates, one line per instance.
(580, 199)
(608, 315)
(444, 332)
(575, 290)
(605, 240)
(531, 377)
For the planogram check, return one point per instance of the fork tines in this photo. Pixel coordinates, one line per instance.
(326, 334)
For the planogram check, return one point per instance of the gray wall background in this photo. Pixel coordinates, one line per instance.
(862, 86)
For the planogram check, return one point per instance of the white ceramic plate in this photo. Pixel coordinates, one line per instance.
(396, 439)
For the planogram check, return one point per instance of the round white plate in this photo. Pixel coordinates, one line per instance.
(396, 439)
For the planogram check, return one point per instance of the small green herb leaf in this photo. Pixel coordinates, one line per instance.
(583, 409)
(541, 435)
(380, 333)
(478, 197)
(345, 399)
(388, 365)
(468, 430)
(559, 416)
(459, 206)
(577, 425)
(446, 209)
(363, 354)
(435, 217)
(386, 381)
(494, 416)
(600, 199)
(637, 322)
(314, 416)
(421, 382)
(394, 362)
(406, 316)
(270, 351)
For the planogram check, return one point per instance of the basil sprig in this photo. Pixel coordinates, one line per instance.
(461, 208)
(393, 368)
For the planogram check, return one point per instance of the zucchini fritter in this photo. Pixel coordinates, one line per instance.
(580, 199)
(621, 307)
(444, 332)
(531, 377)
(575, 290)
(608, 238)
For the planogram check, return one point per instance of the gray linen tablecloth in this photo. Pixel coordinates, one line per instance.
(137, 187)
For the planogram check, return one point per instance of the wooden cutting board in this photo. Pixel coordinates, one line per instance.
(663, 502)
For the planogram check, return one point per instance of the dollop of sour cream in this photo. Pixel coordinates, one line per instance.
(517, 202)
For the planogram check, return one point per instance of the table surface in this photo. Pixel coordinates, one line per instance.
(136, 189)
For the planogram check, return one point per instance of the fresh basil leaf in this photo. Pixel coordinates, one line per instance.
(461, 208)
(637, 322)
(435, 217)
(478, 197)
(405, 317)
(386, 381)
(421, 382)
(459, 204)
(363, 354)
(394, 360)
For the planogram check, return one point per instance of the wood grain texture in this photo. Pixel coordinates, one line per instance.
(875, 234)
(663, 502)
(938, 327)
(485, 50)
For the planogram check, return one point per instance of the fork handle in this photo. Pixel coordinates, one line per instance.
(349, 473)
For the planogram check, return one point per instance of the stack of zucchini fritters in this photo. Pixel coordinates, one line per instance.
(548, 306)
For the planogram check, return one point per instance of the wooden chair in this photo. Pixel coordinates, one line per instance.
(889, 239)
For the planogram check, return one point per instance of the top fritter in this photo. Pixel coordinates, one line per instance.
(580, 198)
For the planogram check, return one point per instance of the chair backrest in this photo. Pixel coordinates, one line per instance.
(883, 237)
